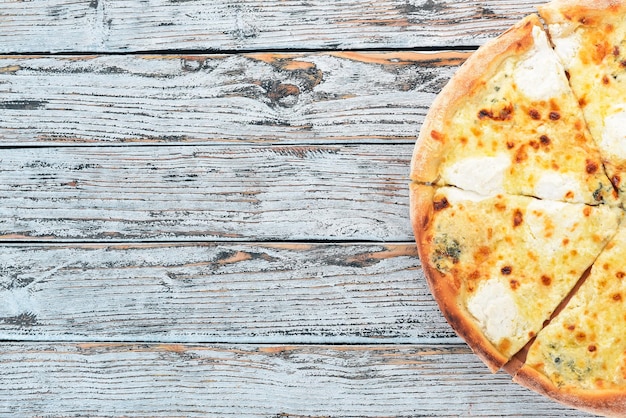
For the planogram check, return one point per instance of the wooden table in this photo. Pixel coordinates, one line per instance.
(204, 209)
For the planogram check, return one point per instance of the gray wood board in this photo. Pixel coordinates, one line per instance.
(252, 98)
(354, 192)
(68, 379)
(282, 292)
(140, 25)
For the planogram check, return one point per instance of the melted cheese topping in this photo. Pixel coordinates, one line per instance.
(521, 132)
(585, 345)
(613, 138)
(495, 310)
(594, 54)
(539, 75)
(566, 41)
(470, 174)
(558, 186)
(507, 250)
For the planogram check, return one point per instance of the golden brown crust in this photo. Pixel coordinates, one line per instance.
(604, 402)
(421, 198)
(430, 146)
(575, 10)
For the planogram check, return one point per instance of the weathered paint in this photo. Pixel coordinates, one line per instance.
(148, 193)
(52, 379)
(137, 25)
(253, 98)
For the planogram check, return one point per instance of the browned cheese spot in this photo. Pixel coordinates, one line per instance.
(546, 280)
(620, 275)
(481, 254)
(506, 113)
(591, 167)
(587, 211)
(578, 125)
(484, 114)
(582, 102)
(506, 270)
(601, 50)
(581, 336)
(534, 114)
(554, 105)
(518, 218)
(555, 116)
(571, 327)
(440, 204)
(437, 136)
(616, 51)
(521, 154)
(510, 144)
(591, 348)
(544, 140)
(504, 345)
(534, 145)
(617, 297)
(605, 80)
(565, 241)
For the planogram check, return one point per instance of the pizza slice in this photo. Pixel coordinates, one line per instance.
(589, 37)
(580, 357)
(508, 122)
(498, 266)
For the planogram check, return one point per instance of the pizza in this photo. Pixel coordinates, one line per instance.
(518, 194)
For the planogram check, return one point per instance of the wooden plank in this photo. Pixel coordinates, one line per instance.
(52, 379)
(287, 293)
(277, 98)
(357, 192)
(140, 25)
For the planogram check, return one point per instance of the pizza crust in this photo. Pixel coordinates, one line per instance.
(573, 10)
(610, 403)
(429, 148)
(421, 197)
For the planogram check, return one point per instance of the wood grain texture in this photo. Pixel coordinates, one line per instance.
(263, 97)
(144, 25)
(357, 192)
(42, 379)
(287, 293)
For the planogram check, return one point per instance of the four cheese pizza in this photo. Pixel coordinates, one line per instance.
(517, 203)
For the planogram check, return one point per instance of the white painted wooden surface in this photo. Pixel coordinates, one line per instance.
(184, 234)
(263, 97)
(354, 192)
(257, 381)
(146, 25)
(264, 292)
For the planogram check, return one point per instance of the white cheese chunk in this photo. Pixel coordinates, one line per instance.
(483, 175)
(566, 41)
(455, 196)
(540, 75)
(613, 139)
(494, 308)
(555, 186)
